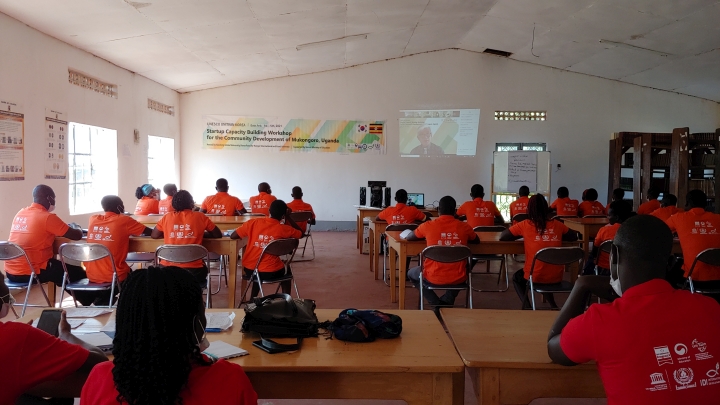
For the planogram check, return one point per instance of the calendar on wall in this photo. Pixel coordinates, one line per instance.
(56, 136)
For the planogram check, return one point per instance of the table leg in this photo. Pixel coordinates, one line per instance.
(392, 257)
(586, 243)
(376, 257)
(51, 293)
(486, 382)
(232, 254)
(371, 234)
(401, 277)
(359, 232)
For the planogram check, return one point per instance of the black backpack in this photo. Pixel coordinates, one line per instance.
(355, 325)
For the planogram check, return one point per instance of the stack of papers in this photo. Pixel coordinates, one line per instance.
(219, 321)
(86, 312)
(221, 350)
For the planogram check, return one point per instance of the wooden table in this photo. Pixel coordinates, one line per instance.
(365, 211)
(225, 223)
(588, 227)
(419, 367)
(506, 355)
(489, 244)
(377, 228)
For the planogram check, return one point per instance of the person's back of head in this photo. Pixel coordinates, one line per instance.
(538, 211)
(477, 191)
(619, 211)
(112, 203)
(43, 195)
(447, 205)
(221, 185)
(653, 193)
(618, 194)
(264, 188)
(297, 193)
(183, 200)
(641, 250)
(160, 324)
(401, 196)
(669, 200)
(144, 191)
(524, 191)
(591, 194)
(278, 209)
(563, 192)
(696, 199)
(170, 189)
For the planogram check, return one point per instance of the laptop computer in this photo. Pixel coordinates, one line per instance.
(416, 199)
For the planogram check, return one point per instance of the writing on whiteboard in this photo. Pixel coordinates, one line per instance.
(522, 170)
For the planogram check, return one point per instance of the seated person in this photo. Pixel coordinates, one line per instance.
(618, 213)
(401, 213)
(147, 200)
(652, 204)
(617, 195)
(479, 212)
(538, 232)
(591, 206)
(113, 230)
(668, 207)
(297, 205)
(260, 204)
(260, 232)
(638, 340)
(564, 206)
(186, 227)
(158, 345)
(36, 365)
(519, 206)
(446, 231)
(222, 203)
(165, 205)
(34, 229)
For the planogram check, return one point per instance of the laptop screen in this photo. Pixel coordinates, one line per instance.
(416, 199)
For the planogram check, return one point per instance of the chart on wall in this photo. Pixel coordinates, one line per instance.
(56, 130)
(12, 142)
(293, 134)
(439, 132)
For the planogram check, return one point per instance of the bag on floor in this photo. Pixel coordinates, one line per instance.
(355, 325)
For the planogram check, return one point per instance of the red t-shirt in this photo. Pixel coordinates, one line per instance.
(665, 212)
(648, 207)
(565, 206)
(654, 345)
(113, 231)
(147, 206)
(607, 232)
(698, 230)
(445, 231)
(590, 208)
(165, 205)
(552, 237)
(184, 228)
(218, 384)
(401, 214)
(298, 205)
(31, 356)
(260, 204)
(519, 206)
(479, 212)
(260, 232)
(222, 203)
(34, 229)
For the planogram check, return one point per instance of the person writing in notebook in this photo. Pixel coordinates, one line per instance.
(260, 204)
(165, 204)
(426, 147)
(519, 206)
(564, 206)
(668, 207)
(222, 203)
(401, 213)
(147, 200)
(590, 206)
(298, 205)
(479, 212)
(652, 204)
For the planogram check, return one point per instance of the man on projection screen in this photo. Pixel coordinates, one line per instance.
(426, 147)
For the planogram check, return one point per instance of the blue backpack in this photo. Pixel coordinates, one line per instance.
(354, 325)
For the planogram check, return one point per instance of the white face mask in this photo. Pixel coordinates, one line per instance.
(203, 343)
(615, 282)
(51, 208)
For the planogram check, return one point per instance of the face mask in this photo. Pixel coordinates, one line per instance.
(51, 208)
(202, 343)
(615, 282)
(121, 209)
(5, 307)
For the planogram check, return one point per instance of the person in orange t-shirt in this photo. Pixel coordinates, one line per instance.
(652, 204)
(222, 203)
(260, 204)
(147, 200)
(617, 214)
(444, 231)
(298, 205)
(538, 232)
(165, 205)
(519, 206)
(34, 229)
(564, 206)
(479, 212)
(260, 232)
(401, 213)
(668, 207)
(590, 206)
(186, 227)
(617, 195)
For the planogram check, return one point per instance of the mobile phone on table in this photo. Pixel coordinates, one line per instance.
(50, 321)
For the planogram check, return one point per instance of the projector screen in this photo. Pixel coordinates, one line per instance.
(438, 132)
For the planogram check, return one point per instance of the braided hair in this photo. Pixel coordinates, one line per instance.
(155, 344)
(538, 212)
(182, 200)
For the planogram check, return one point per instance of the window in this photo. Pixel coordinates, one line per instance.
(503, 200)
(161, 161)
(92, 159)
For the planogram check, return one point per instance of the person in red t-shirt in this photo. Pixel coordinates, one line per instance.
(158, 348)
(401, 213)
(445, 231)
(590, 206)
(652, 204)
(617, 214)
(260, 232)
(31, 357)
(147, 200)
(222, 203)
(165, 205)
(260, 204)
(653, 345)
(479, 212)
(519, 206)
(298, 205)
(617, 195)
(668, 207)
(538, 232)
(563, 205)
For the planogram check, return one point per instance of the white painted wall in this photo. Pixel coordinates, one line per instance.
(34, 73)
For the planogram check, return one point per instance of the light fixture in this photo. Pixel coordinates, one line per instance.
(340, 40)
(635, 48)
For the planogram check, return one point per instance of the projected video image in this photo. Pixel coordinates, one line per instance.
(438, 132)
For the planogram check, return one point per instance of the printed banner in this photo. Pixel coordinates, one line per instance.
(12, 142)
(293, 135)
(56, 143)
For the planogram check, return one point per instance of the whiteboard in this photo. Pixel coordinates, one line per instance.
(514, 169)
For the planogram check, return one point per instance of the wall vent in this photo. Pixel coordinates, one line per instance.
(520, 115)
(160, 107)
(497, 52)
(91, 83)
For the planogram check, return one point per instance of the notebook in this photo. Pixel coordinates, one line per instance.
(219, 321)
(222, 350)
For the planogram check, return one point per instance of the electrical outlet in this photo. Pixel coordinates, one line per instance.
(559, 166)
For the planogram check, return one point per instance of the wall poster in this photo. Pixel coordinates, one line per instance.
(12, 142)
(56, 130)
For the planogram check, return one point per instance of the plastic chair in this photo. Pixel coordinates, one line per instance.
(185, 254)
(304, 216)
(393, 227)
(488, 258)
(556, 256)
(446, 254)
(86, 252)
(279, 248)
(10, 251)
(710, 257)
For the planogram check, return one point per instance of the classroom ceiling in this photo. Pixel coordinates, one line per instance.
(191, 45)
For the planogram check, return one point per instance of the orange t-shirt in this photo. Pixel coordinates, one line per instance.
(34, 229)
(519, 206)
(445, 231)
(697, 230)
(565, 206)
(165, 205)
(184, 228)
(552, 237)
(298, 205)
(607, 232)
(479, 212)
(665, 212)
(113, 231)
(590, 208)
(147, 206)
(222, 203)
(648, 207)
(260, 204)
(260, 232)
(401, 214)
